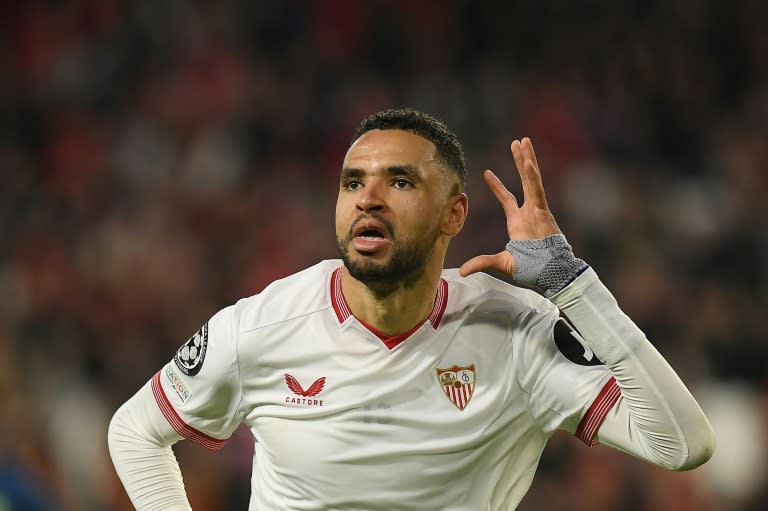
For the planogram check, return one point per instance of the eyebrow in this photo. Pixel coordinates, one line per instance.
(392, 171)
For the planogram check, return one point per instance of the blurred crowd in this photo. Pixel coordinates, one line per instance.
(160, 159)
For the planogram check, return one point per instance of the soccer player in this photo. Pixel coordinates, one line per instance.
(383, 381)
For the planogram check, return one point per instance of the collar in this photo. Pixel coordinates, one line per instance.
(343, 312)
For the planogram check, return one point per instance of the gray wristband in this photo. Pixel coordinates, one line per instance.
(546, 265)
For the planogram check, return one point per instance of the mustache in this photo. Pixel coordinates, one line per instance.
(367, 216)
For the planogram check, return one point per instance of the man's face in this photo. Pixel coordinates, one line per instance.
(391, 195)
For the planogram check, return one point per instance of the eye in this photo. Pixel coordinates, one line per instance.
(402, 184)
(352, 184)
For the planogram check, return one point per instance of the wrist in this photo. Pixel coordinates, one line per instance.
(546, 265)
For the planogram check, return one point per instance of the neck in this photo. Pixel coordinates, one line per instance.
(404, 304)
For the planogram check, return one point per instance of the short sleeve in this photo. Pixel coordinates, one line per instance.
(199, 390)
(561, 376)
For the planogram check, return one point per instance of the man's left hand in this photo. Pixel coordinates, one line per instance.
(532, 220)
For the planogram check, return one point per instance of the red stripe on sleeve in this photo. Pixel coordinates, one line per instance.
(178, 424)
(596, 414)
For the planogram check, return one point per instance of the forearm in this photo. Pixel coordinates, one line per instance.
(656, 418)
(140, 440)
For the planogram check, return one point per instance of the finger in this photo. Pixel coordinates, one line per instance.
(503, 262)
(527, 144)
(504, 196)
(519, 156)
(535, 193)
(530, 174)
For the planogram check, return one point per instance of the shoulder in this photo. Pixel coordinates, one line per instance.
(482, 292)
(296, 295)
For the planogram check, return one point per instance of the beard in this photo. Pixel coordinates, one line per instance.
(407, 263)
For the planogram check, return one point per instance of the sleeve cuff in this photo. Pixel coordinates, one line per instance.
(177, 423)
(573, 290)
(596, 414)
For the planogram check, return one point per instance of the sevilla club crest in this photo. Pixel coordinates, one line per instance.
(458, 383)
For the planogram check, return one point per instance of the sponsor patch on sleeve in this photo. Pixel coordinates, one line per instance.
(191, 355)
(177, 383)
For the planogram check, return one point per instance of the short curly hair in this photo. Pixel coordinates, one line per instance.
(447, 145)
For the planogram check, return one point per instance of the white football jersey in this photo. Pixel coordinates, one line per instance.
(453, 415)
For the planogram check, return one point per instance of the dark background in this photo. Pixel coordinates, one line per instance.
(160, 159)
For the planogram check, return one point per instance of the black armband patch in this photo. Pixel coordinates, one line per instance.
(572, 345)
(191, 355)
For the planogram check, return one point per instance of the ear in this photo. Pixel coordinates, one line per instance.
(454, 214)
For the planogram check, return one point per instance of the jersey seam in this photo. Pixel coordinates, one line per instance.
(528, 393)
(239, 372)
(266, 325)
(541, 304)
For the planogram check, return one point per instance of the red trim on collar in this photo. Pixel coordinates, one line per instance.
(390, 341)
(343, 312)
(441, 301)
(338, 301)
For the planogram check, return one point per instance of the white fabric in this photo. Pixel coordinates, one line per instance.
(341, 421)
(656, 418)
(140, 441)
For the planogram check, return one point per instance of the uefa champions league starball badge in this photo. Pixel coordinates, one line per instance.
(191, 355)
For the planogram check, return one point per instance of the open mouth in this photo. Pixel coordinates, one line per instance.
(370, 236)
(371, 228)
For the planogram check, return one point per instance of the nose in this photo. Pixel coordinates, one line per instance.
(370, 200)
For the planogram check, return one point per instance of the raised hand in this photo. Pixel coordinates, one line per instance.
(532, 220)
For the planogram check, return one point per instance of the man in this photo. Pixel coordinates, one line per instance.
(387, 382)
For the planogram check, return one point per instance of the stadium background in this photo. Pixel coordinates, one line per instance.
(160, 159)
